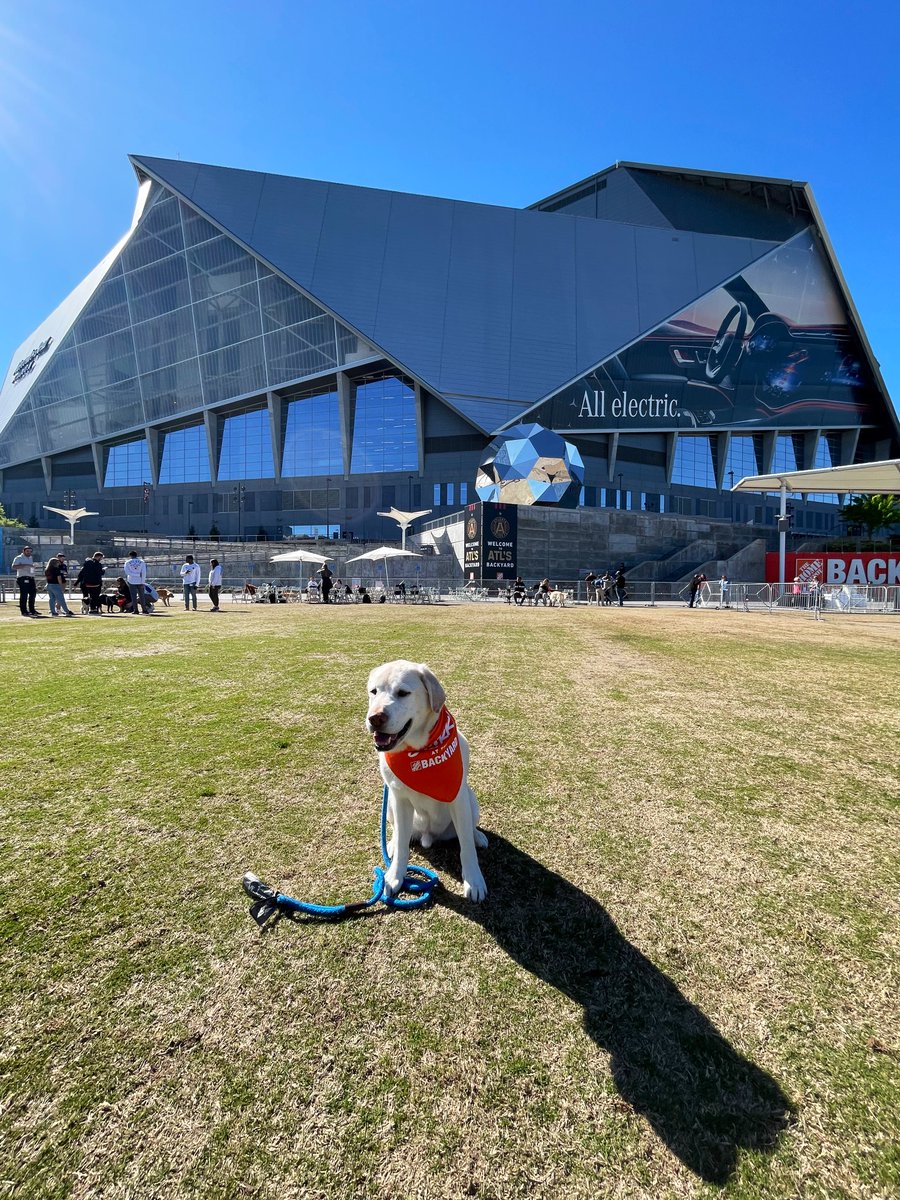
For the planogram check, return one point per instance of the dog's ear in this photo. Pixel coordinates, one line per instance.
(436, 693)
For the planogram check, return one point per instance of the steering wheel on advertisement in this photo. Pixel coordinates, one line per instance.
(728, 344)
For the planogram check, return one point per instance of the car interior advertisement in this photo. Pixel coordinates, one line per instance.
(773, 347)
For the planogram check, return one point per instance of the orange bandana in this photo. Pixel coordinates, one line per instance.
(436, 770)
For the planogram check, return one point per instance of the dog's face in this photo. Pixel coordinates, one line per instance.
(404, 699)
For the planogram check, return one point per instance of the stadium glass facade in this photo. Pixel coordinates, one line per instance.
(267, 355)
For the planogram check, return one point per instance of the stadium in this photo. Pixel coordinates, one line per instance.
(269, 356)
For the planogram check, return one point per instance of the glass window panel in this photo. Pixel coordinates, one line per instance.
(116, 408)
(234, 371)
(61, 379)
(437, 496)
(219, 266)
(785, 457)
(158, 289)
(108, 360)
(283, 305)
(172, 390)
(385, 435)
(127, 465)
(246, 449)
(196, 228)
(157, 236)
(463, 493)
(228, 318)
(350, 347)
(64, 424)
(301, 350)
(824, 458)
(450, 494)
(312, 436)
(741, 460)
(106, 312)
(185, 458)
(165, 340)
(19, 440)
(693, 462)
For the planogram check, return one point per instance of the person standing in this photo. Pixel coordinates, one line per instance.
(725, 588)
(545, 589)
(90, 580)
(135, 577)
(215, 583)
(325, 572)
(590, 582)
(23, 565)
(621, 584)
(55, 574)
(190, 577)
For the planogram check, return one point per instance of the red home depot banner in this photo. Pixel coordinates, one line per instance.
(873, 569)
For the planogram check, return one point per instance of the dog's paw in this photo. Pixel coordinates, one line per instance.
(475, 889)
(392, 882)
(481, 840)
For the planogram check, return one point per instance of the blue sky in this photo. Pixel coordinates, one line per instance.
(496, 102)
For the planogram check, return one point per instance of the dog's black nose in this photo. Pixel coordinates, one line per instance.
(377, 720)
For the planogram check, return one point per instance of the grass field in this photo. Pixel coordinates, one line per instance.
(683, 983)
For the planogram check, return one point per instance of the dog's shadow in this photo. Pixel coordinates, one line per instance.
(668, 1061)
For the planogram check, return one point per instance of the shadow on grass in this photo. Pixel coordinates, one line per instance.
(704, 1099)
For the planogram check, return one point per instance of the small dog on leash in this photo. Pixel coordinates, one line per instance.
(424, 761)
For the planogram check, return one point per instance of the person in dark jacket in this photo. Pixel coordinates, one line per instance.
(325, 572)
(621, 584)
(90, 580)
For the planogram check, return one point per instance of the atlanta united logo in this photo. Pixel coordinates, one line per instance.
(471, 528)
(500, 527)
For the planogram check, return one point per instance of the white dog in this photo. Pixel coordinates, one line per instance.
(559, 599)
(424, 762)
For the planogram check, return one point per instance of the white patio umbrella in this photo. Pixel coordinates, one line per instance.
(301, 556)
(382, 554)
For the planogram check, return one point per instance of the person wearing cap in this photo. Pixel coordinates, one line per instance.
(90, 580)
(23, 565)
(136, 576)
(190, 577)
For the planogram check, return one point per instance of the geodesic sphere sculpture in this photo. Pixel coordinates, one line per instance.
(529, 464)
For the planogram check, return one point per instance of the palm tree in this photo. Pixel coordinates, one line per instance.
(872, 512)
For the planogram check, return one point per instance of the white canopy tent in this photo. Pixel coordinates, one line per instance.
(302, 556)
(869, 479)
(382, 554)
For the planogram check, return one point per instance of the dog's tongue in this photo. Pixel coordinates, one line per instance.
(383, 741)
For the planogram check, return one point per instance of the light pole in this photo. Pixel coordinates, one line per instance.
(620, 489)
(409, 480)
(731, 493)
(328, 508)
(239, 496)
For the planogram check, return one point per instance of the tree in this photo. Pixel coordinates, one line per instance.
(872, 512)
(214, 534)
(261, 535)
(10, 522)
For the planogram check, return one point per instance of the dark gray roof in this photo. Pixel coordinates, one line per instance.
(498, 304)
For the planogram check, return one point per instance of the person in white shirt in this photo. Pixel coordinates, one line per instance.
(23, 565)
(190, 577)
(136, 577)
(215, 583)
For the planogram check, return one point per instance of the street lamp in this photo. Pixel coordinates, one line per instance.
(239, 496)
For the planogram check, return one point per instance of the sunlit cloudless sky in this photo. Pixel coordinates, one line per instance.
(497, 102)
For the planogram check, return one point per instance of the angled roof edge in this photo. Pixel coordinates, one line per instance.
(141, 169)
(58, 323)
(664, 170)
(874, 365)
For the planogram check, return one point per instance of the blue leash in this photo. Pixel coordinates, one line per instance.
(417, 888)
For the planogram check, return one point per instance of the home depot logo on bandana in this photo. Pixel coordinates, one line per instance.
(435, 770)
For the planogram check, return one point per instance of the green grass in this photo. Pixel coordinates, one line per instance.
(683, 982)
